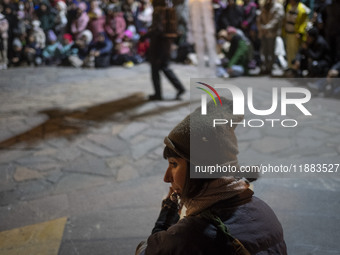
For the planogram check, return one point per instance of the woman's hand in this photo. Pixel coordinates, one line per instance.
(175, 197)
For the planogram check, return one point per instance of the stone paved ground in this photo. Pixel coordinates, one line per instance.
(86, 145)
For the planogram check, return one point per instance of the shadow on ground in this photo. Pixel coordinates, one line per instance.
(68, 124)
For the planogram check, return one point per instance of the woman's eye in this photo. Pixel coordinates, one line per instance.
(173, 164)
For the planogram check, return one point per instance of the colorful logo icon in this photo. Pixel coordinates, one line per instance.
(209, 93)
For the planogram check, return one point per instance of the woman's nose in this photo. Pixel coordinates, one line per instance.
(167, 176)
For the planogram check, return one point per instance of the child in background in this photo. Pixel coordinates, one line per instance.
(80, 49)
(100, 51)
(38, 34)
(124, 54)
(17, 57)
(67, 49)
(52, 52)
(32, 51)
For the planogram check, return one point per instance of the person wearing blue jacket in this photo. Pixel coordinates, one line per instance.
(101, 50)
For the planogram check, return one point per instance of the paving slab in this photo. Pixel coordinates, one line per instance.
(31, 212)
(111, 143)
(43, 238)
(24, 174)
(88, 164)
(74, 181)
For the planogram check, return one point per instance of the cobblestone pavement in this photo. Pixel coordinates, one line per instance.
(81, 157)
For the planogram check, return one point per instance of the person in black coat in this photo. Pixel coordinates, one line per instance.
(232, 15)
(222, 214)
(159, 57)
(313, 56)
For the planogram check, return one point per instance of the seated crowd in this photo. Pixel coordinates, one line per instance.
(300, 37)
(76, 33)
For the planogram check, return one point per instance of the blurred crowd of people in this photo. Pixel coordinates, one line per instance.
(301, 37)
(77, 33)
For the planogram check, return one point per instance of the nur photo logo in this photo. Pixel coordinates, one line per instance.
(280, 99)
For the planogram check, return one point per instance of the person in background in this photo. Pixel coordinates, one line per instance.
(159, 57)
(12, 19)
(38, 34)
(33, 51)
(101, 51)
(115, 23)
(269, 24)
(129, 8)
(23, 24)
(79, 24)
(17, 57)
(67, 49)
(124, 54)
(60, 20)
(294, 28)
(29, 10)
(80, 49)
(314, 56)
(249, 16)
(222, 214)
(144, 15)
(97, 19)
(52, 52)
(231, 16)
(202, 33)
(46, 16)
(238, 54)
(3, 41)
(130, 25)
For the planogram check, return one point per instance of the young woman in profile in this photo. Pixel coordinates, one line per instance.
(222, 215)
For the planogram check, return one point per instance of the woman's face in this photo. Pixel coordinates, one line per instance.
(176, 174)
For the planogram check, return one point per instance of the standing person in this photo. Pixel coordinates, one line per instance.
(249, 19)
(3, 41)
(223, 216)
(295, 28)
(269, 26)
(202, 29)
(159, 56)
(231, 16)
